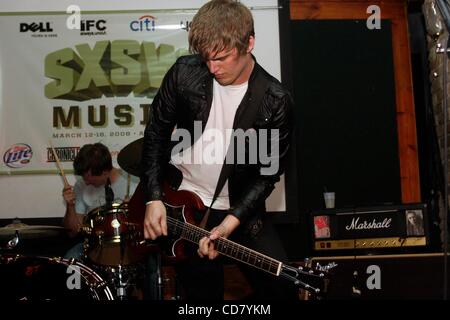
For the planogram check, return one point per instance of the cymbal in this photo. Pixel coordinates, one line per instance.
(30, 232)
(129, 158)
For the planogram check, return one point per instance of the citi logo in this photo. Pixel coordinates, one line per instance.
(144, 23)
(36, 27)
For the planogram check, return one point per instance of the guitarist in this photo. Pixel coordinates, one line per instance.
(205, 95)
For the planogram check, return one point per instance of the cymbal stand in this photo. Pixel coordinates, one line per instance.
(122, 283)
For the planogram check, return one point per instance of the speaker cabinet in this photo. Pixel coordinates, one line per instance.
(405, 276)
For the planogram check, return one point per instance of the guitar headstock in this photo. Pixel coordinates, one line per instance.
(312, 280)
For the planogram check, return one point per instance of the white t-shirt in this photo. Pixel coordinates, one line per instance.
(202, 162)
(89, 197)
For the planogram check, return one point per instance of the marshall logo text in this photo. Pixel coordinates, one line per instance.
(365, 225)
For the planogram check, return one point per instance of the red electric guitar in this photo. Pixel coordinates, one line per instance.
(181, 206)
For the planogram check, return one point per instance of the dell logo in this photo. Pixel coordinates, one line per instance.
(40, 27)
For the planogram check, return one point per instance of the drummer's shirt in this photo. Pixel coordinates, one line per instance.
(202, 162)
(89, 197)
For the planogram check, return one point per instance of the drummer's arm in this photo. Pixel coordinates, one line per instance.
(72, 220)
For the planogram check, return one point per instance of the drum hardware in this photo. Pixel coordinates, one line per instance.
(87, 230)
(100, 285)
(43, 278)
(26, 231)
(112, 248)
(13, 242)
(99, 234)
(121, 285)
(99, 219)
(122, 278)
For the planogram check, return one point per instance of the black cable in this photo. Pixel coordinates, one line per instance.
(445, 13)
(109, 195)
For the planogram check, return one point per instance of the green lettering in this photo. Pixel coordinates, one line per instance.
(125, 69)
(64, 66)
(94, 80)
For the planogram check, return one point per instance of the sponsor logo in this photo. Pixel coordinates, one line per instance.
(36, 27)
(92, 27)
(65, 154)
(18, 155)
(143, 24)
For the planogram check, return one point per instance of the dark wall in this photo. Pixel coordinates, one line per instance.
(345, 112)
(341, 75)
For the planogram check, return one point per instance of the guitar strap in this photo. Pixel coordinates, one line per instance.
(244, 119)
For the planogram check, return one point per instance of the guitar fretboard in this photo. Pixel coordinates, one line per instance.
(226, 247)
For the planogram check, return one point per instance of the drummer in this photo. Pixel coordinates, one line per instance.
(93, 164)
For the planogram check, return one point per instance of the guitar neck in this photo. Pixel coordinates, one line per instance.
(226, 247)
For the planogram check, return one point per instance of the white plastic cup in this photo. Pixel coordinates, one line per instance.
(329, 198)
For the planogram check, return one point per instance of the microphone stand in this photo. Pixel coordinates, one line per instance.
(115, 224)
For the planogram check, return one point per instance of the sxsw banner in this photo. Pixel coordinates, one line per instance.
(67, 87)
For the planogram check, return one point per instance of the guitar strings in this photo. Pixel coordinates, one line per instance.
(194, 234)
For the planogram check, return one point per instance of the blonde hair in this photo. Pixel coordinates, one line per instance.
(220, 25)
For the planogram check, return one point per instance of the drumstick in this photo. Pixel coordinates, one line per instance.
(66, 183)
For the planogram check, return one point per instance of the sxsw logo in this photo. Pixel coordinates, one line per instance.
(36, 27)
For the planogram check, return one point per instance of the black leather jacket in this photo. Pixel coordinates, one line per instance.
(186, 96)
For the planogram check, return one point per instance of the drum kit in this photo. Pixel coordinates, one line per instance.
(114, 252)
(110, 267)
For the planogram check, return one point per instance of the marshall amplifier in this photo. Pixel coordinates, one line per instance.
(370, 227)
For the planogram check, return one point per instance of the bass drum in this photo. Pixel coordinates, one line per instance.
(49, 279)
